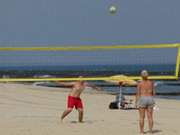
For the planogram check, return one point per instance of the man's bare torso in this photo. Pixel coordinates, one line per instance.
(146, 88)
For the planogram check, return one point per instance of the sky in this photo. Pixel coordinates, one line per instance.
(31, 23)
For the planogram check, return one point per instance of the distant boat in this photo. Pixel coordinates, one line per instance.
(46, 83)
(43, 83)
(43, 76)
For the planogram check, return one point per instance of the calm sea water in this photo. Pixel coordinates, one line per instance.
(88, 70)
(163, 88)
(166, 89)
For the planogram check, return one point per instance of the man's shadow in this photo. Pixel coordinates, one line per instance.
(154, 131)
(157, 131)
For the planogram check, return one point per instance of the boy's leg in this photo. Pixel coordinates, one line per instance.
(80, 110)
(65, 113)
(79, 107)
(70, 104)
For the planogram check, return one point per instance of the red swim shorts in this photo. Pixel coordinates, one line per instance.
(74, 101)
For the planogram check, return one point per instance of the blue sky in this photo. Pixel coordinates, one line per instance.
(26, 23)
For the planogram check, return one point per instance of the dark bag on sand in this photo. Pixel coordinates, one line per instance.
(113, 105)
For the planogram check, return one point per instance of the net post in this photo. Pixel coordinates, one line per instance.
(177, 62)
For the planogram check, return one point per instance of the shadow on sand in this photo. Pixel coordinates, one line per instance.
(154, 131)
(87, 121)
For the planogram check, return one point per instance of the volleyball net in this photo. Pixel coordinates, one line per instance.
(92, 62)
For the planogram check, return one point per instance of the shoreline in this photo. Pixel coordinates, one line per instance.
(171, 96)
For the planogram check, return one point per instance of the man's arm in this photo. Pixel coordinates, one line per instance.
(153, 87)
(137, 94)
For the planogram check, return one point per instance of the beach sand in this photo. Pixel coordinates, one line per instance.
(35, 110)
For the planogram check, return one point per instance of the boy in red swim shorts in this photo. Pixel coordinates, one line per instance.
(74, 102)
(74, 99)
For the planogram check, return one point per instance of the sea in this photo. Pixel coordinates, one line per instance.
(169, 89)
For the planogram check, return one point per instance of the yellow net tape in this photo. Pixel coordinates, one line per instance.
(85, 78)
(87, 48)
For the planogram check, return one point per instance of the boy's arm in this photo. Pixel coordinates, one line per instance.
(68, 84)
(94, 87)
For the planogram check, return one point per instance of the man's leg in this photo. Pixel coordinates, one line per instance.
(65, 113)
(150, 118)
(80, 110)
(141, 119)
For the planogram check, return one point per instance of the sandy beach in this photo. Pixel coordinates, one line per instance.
(35, 110)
